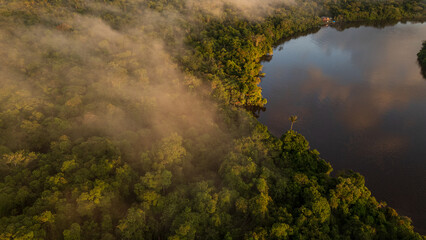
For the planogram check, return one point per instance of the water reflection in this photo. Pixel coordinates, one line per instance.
(361, 101)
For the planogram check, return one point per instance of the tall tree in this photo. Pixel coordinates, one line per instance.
(292, 119)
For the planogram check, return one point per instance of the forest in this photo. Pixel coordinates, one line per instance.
(127, 119)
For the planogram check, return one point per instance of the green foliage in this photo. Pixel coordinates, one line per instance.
(73, 233)
(132, 227)
(228, 52)
(355, 10)
(108, 129)
(421, 58)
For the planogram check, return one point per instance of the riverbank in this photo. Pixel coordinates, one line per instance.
(230, 55)
(125, 120)
(327, 76)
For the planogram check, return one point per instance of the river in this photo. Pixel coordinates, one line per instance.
(361, 101)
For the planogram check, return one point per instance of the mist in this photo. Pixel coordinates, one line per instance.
(106, 81)
(249, 9)
(127, 120)
(112, 73)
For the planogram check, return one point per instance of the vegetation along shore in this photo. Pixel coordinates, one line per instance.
(127, 120)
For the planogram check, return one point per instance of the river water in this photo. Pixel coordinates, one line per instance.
(361, 101)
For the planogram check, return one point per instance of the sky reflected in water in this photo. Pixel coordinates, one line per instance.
(361, 101)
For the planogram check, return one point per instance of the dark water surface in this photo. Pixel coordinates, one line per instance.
(361, 101)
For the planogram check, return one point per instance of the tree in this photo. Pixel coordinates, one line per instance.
(133, 225)
(73, 233)
(292, 119)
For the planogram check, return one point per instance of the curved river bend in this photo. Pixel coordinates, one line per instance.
(361, 101)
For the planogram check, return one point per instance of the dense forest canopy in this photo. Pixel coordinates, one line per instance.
(124, 120)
